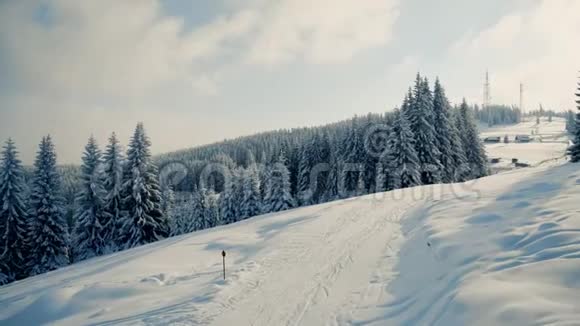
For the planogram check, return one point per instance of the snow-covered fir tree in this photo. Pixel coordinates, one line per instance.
(331, 191)
(323, 148)
(360, 186)
(373, 144)
(144, 221)
(167, 200)
(113, 159)
(251, 202)
(401, 157)
(13, 216)
(278, 197)
(472, 144)
(202, 208)
(446, 137)
(90, 217)
(227, 205)
(263, 178)
(574, 150)
(238, 194)
(231, 199)
(380, 178)
(458, 153)
(211, 213)
(352, 165)
(464, 172)
(48, 235)
(181, 216)
(420, 115)
(304, 189)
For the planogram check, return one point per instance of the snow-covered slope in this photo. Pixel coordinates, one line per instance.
(499, 250)
(507, 255)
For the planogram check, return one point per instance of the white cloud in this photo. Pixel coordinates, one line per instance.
(537, 47)
(99, 66)
(125, 48)
(323, 31)
(205, 85)
(497, 37)
(108, 47)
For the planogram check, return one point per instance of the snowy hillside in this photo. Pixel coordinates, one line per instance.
(499, 250)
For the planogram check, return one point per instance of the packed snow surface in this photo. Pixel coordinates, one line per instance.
(500, 250)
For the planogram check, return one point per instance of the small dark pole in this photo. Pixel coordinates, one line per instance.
(224, 262)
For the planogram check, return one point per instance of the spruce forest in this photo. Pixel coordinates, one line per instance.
(52, 216)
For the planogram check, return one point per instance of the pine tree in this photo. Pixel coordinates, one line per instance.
(574, 150)
(203, 214)
(420, 115)
(211, 213)
(251, 203)
(227, 204)
(464, 171)
(292, 156)
(446, 138)
(262, 178)
(381, 176)
(304, 187)
(473, 147)
(401, 157)
(323, 150)
(48, 229)
(457, 152)
(181, 220)
(113, 183)
(90, 217)
(360, 186)
(332, 183)
(232, 197)
(238, 194)
(144, 221)
(167, 200)
(372, 142)
(278, 196)
(13, 216)
(351, 167)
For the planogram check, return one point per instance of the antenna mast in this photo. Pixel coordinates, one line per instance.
(487, 98)
(522, 98)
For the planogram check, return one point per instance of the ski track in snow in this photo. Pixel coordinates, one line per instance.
(346, 245)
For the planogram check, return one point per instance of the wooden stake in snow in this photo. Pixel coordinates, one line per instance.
(224, 262)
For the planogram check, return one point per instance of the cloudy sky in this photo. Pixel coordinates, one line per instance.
(198, 71)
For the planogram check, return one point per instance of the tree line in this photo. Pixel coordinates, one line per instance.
(118, 206)
(497, 114)
(126, 199)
